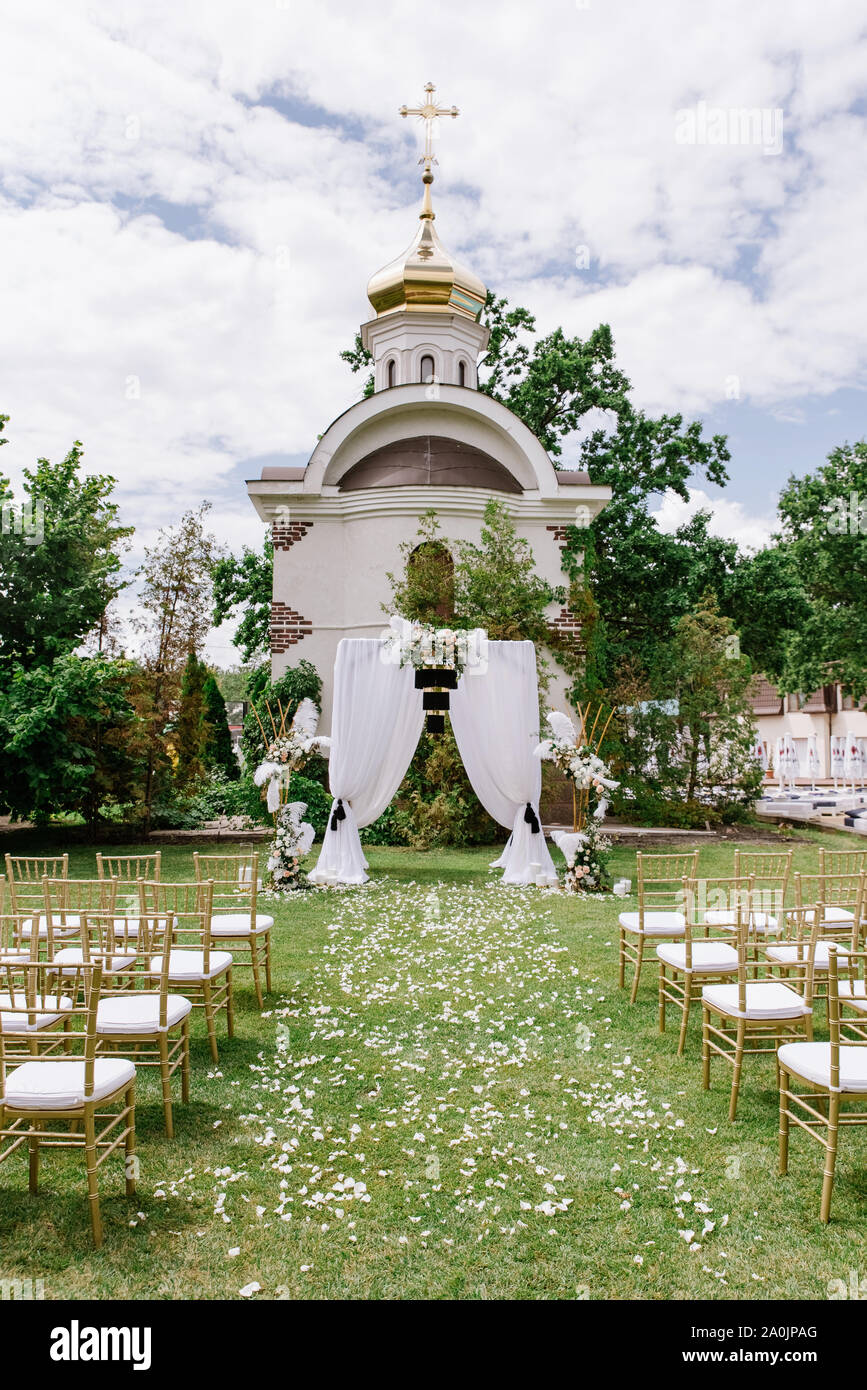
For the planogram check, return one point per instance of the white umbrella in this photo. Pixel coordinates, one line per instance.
(838, 757)
(760, 753)
(812, 759)
(852, 766)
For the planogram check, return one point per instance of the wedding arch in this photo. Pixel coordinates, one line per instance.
(378, 715)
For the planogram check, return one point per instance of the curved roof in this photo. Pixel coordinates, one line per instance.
(428, 460)
(463, 416)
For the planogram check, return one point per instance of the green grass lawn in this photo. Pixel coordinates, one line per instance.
(448, 1097)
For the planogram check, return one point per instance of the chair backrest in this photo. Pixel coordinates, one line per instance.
(842, 861)
(31, 988)
(185, 907)
(703, 898)
(129, 868)
(852, 968)
(235, 878)
(816, 898)
(660, 881)
(24, 878)
(67, 902)
(771, 871)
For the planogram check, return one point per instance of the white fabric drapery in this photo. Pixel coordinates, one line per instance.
(495, 718)
(375, 727)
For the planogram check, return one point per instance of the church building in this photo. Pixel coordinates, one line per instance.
(426, 439)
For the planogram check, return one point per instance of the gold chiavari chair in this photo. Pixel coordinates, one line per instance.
(660, 909)
(43, 1093)
(752, 1016)
(842, 861)
(24, 878)
(686, 965)
(826, 908)
(203, 973)
(236, 922)
(128, 869)
(11, 947)
(146, 1022)
(89, 904)
(35, 1032)
(829, 1076)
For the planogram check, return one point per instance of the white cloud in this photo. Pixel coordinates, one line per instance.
(727, 518)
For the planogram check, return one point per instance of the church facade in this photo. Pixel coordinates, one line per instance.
(427, 439)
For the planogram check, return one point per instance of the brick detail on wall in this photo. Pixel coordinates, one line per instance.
(287, 627)
(567, 628)
(559, 533)
(285, 533)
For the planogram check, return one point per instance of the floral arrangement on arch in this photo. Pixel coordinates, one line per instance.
(425, 647)
(293, 838)
(576, 753)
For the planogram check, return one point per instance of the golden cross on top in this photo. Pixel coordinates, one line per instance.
(428, 111)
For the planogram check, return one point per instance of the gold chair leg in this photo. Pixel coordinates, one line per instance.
(739, 1062)
(830, 1155)
(662, 996)
(129, 1144)
(687, 1001)
(705, 1049)
(185, 1061)
(639, 961)
(33, 1143)
(166, 1084)
(622, 974)
(268, 960)
(209, 1017)
(784, 1123)
(230, 1005)
(90, 1156)
(256, 981)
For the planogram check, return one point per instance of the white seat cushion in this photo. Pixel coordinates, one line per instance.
(72, 923)
(831, 914)
(798, 955)
(765, 999)
(238, 924)
(190, 965)
(73, 955)
(813, 1062)
(20, 1023)
(857, 998)
(139, 1013)
(655, 923)
(759, 922)
(706, 955)
(54, 1085)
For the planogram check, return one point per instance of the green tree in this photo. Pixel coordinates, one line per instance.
(174, 618)
(218, 751)
(824, 527)
(190, 732)
(73, 742)
(60, 560)
(245, 583)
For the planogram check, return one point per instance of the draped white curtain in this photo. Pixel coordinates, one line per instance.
(495, 717)
(375, 727)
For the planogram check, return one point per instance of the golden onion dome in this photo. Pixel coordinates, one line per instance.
(426, 278)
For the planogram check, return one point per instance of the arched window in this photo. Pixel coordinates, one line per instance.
(431, 575)
(462, 373)
(428, 369)
(390, 373)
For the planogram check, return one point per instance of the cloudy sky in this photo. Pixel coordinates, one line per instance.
(194, 196)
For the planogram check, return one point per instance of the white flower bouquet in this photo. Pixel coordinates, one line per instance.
(292, 840)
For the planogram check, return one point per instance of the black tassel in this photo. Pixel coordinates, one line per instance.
(338, 814)
(532, 820)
